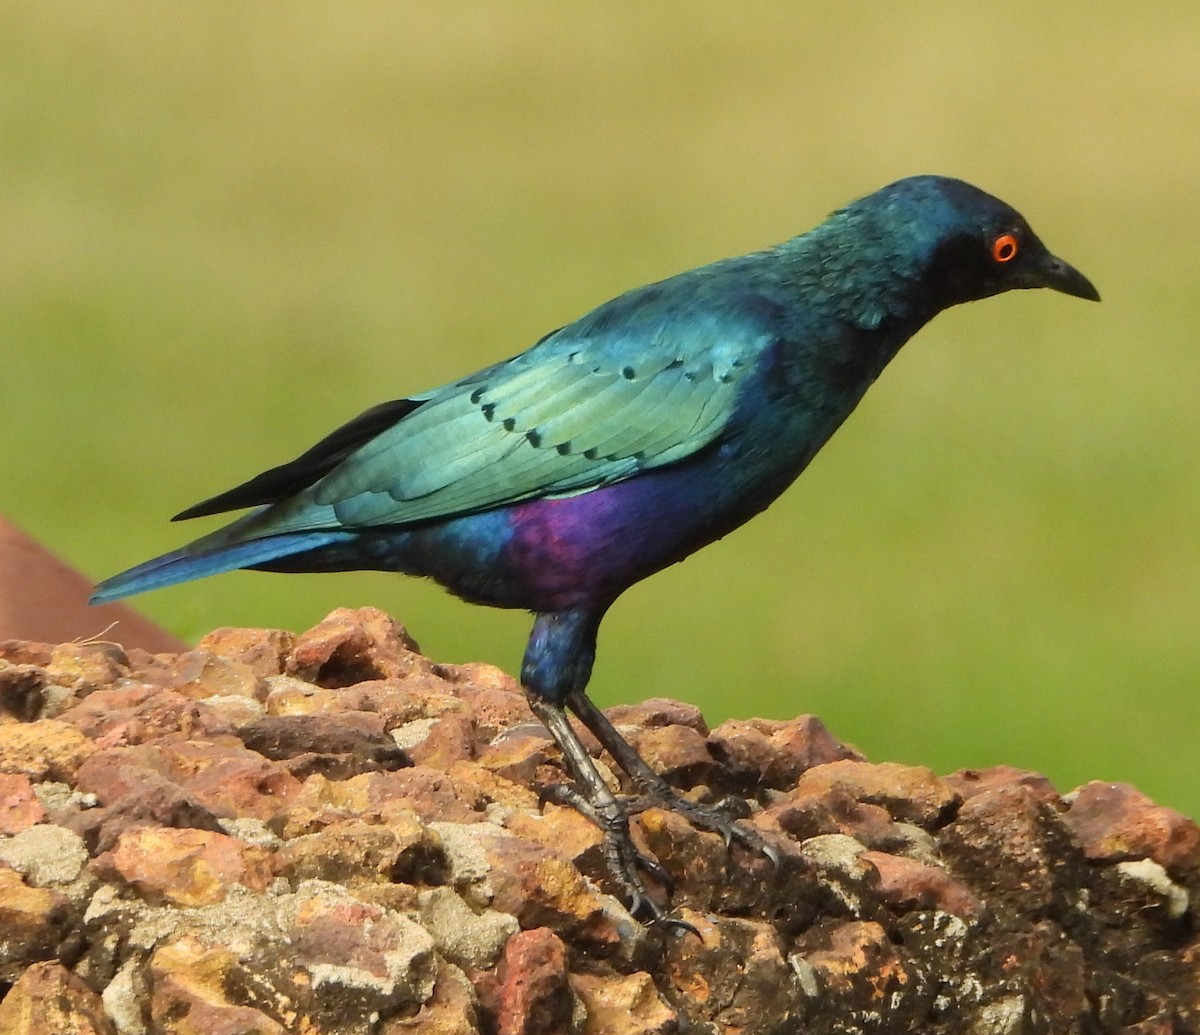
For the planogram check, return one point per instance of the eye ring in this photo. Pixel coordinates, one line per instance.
(1004, 248)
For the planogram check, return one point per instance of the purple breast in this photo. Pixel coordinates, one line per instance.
(584, 550)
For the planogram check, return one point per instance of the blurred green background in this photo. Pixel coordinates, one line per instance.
(227, 228)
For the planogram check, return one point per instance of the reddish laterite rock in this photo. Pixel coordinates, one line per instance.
(329, 833)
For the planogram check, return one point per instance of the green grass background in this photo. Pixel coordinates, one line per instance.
(226, 228)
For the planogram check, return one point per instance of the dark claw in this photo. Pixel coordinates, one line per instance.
(676, 926)
(657, 871)
(642, 907)
(755, 842)
(639, 903)
(772, 853)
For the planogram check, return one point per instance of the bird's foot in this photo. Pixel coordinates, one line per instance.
(624, 861)
(720, 817)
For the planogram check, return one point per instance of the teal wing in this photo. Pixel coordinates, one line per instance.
(566, 417)
(636, 384)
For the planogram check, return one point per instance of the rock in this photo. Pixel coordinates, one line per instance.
(773, 753)
(397, 701)
(477, 675)
(810, 811)
(627, 1004)
(360, 957)
(1115, 821)
(338, 745)
(909, 793)
(62, 802)
(23, 691)
(46, 749)
(376, 797)
(19, 806)
(261, 866)
(287, 695)
(1172, 898)
(201, 675)
(450, 739)
(1016, 850)
(466, 937)
(285, 736)
(198, 778)
(139, 714)
(430, 793)
(734, 978)
(84, 668)
(500, 709)
(909, 884)
(969, 782)
(478, 784)
(860, 973)
(520, 759)
(678, 753)
(188, 993)
(32, 922)
(29, 653)
(351, 850)
(45, 854)
(49, 1000)
(149, 800)
(351, 646)
(184, 867)
(561, 830)
(228, 779)
(709, 876)
(849, 880)
(263, 651)
(541, 888)
(450, 1010)
(656, 713)
(531, 994)
(623, 1005)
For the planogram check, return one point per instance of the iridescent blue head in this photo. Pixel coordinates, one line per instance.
(925, 243)
(979, 245)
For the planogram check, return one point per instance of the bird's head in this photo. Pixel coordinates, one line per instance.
(966, 244)
(918, 246)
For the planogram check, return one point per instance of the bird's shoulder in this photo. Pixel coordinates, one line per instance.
(726, 307)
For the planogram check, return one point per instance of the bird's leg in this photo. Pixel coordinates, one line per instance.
(598, 803)
(720, 817)
(559, 657)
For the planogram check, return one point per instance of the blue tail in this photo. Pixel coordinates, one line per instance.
(195, 562)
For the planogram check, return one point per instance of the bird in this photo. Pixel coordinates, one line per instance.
(620, 444)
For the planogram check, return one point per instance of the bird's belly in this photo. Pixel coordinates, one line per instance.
(583, 550)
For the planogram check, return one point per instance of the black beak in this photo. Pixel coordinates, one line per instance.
(1052, 272)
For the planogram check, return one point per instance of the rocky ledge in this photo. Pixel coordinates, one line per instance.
(331, 833)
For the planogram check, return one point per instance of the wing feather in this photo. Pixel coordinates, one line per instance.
(589, 405)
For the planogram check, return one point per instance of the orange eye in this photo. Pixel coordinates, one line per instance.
(1004, 248)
